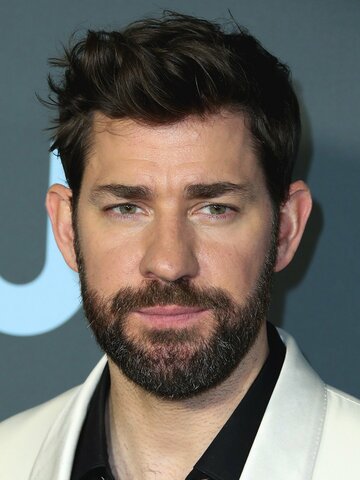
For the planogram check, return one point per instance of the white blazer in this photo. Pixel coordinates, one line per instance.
(309, 431)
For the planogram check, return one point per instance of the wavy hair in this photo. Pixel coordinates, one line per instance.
(160, 70)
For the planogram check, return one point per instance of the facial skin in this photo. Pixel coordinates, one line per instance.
(171, 228)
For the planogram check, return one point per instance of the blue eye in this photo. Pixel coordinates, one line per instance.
(125, 209)
(217, 209)
(218, 212)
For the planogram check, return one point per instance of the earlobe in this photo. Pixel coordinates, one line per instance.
(58, 206)
(293, 218)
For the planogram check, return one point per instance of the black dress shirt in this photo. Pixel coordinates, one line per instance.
(225, 457)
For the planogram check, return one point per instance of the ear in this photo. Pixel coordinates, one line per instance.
(293, 217)
(58, 206)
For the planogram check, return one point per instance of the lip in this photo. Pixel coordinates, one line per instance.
(171, 316)
(169, 310)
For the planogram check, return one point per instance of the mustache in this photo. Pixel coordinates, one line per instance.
(179, 293)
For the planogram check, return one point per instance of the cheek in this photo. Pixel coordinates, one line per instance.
(109, 265)
(232, 269)
(234, 265)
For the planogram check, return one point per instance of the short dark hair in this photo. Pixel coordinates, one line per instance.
(160, 70)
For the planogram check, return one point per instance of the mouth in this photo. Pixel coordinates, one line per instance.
(171, 316)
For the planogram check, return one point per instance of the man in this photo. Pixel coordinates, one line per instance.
(178, 141)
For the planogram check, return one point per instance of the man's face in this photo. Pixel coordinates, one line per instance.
(176, 247)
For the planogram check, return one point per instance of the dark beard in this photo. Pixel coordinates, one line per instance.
(178, 364)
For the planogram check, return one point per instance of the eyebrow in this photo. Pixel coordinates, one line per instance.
(131, 192)
(191, 192)
(213, 190)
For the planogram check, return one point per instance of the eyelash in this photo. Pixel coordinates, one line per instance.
(222, 216)
(230, 211)
(111, 210)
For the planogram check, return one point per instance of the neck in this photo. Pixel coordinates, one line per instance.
(150, 438)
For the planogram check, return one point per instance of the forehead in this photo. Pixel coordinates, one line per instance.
(217, 147)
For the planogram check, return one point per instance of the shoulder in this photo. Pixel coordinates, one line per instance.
(38, 417)
(343, 412)
(23, 434)
(338, 455)
(333, 436)
(42, 440)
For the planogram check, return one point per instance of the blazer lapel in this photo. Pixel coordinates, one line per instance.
(287, 442)
(56, 456)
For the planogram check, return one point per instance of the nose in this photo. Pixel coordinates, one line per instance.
(169, 252)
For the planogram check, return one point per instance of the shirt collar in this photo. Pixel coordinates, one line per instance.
(225, 457)
(91, 456)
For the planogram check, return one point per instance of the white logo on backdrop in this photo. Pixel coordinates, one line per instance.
(50, 299)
